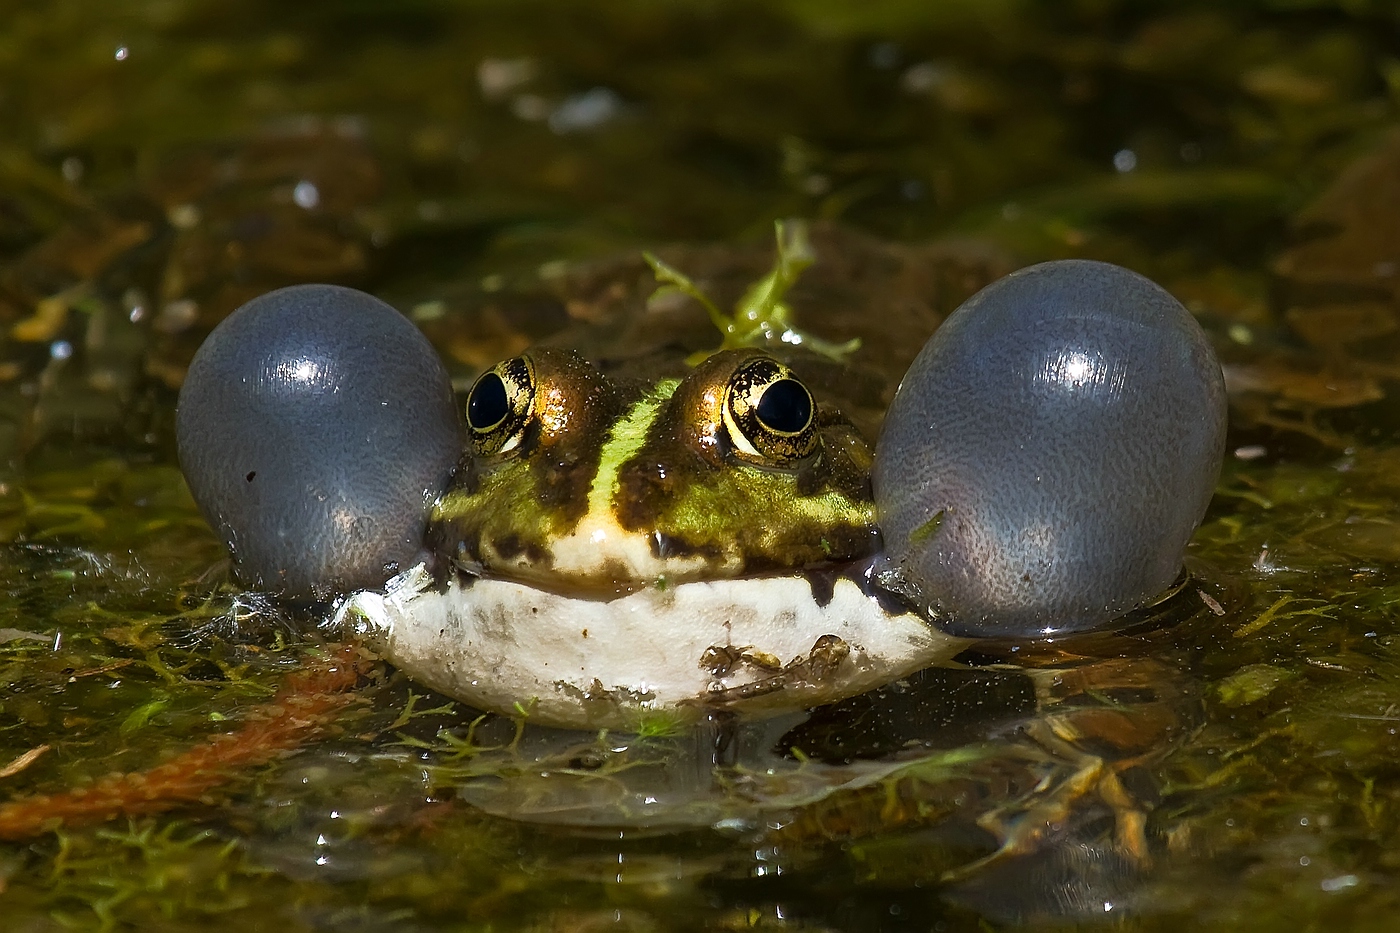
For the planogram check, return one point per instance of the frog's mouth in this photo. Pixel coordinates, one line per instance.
(757, 645)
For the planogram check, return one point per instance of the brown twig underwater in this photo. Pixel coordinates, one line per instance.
(304, 706)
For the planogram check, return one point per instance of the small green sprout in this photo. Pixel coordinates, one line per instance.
(761, 316)
(138, 718)
(410, 710)
(928, 529)
(656, 724)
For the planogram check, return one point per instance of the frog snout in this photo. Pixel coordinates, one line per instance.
(315, 427)
(1050, 452)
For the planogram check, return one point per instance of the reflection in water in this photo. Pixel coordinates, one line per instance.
(1070, 877)
(1019, 790)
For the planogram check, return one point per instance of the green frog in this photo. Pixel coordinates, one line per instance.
(592, 544)
(618, 542)
(576, 480)
(696, 540)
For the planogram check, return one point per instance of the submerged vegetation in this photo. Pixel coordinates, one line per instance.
(176, 753)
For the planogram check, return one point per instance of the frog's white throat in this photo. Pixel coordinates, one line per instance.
(756, 645)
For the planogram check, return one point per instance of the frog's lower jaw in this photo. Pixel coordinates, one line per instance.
(757, 646)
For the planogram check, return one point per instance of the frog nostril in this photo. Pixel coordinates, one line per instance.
(488, 405)
(786, 407)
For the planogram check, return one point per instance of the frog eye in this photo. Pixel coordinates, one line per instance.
(499, 406)
(769, 414)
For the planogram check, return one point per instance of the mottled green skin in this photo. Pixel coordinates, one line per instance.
(648, 468)
(767, 519)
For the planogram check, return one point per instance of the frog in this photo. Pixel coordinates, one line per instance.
(706, 509)
(679, 545)
(637, 543)
(592, 543)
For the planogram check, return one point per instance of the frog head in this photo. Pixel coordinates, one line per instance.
(577, 481)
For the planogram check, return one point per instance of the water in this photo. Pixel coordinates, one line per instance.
(494, 170)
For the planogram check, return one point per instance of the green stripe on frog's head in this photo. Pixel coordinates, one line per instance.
(626, 437)
(576, 481)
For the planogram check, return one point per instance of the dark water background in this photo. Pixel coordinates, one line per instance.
(162, 161)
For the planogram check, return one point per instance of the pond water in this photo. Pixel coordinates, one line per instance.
(177, 754)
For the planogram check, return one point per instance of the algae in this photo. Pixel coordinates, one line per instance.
(485, 165)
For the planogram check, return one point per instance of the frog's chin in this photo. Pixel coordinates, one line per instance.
(656, 657)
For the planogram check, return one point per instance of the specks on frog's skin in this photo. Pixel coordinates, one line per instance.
(814, 668)
(525, 477)
(612, 486)
(750, 645)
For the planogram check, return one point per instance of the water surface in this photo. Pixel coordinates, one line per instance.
(489, 167)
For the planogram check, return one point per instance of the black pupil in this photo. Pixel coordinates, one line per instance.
(785, 406)
(488, 404)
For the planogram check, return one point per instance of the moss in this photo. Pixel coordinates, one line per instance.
(142, 197)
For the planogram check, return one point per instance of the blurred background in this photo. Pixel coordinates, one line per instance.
(493, 168)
